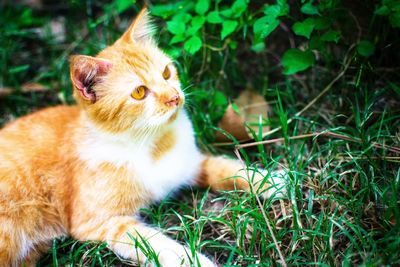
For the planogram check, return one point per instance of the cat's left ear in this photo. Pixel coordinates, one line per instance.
(141, 29)
(86, 72)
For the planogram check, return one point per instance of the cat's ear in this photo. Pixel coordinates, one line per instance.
(85, 72)
(141, 29)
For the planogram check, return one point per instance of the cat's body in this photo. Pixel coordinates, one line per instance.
(67, 163)
(85, 171)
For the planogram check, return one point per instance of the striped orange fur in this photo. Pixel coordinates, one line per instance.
(86, 170)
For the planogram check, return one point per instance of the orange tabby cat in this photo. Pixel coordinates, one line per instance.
(86, 170)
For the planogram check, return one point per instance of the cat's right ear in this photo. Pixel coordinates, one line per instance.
(141, 29)
(85, 72)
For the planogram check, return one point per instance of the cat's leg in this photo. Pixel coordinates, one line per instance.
(120, 233)
(227, 174)
(27, 220)
(35, 253)
(6, 253)
(15, 249)
(14, 244)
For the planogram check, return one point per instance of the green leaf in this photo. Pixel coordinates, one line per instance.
(365, 48)
(176, 27)
(177, 39)
(214, 18)
(316, 43)
(309, 9)
(383, 11)
(304, 28)
(394, 5)
(233, 44)
(182, 17)
(219, 99)
(276, 10)
(192, 31)
(395, 87)
(328, 5)
(193, 44)
(18, 69)
(258, 47)
(202, 7)
(173, 52)
(331, 36)
(322, 23)
(197, 23)
(238, 7)
(282, 2)
(272, 10)
(235, 108)
(295, 60)
(395, 19)
(228, 26)
(26, 18)
(226, 13)
(264, 26)
(122, 5)
(164, 11)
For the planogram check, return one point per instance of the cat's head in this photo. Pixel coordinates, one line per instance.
(130, 84)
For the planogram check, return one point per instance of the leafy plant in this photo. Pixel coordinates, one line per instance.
(239, 21)
(391, 9)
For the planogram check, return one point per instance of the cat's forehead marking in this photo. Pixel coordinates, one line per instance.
(145, 64)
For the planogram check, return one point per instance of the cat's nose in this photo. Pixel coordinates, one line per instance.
(173, 101)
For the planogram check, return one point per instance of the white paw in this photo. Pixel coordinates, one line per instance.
(172, 254)
(179, 259)
(204, 261)
(276, 184)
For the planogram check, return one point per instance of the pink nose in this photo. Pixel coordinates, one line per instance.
(174, 101)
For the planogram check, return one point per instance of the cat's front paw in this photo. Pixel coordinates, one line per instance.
(172, 254)
(179, 259)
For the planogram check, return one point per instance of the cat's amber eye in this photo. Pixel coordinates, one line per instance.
(140, 92)
(166, 73)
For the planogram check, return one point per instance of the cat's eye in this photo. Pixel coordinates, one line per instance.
(166, 73)
(140, 92)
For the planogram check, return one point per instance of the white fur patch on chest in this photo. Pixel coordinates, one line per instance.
(178, 167)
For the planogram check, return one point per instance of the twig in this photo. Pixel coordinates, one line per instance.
(325, 133)
(222, 71)
(270, 141)
(218, 49)
(203, 60)
(394, 159)
(262, 211)
(359, 35)
(25, 88)
(290, 35)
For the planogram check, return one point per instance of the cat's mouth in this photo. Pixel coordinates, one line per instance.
(172, 112)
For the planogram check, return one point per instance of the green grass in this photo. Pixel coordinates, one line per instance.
(343, 201)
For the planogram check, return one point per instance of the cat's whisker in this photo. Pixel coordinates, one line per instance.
(187, 87)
